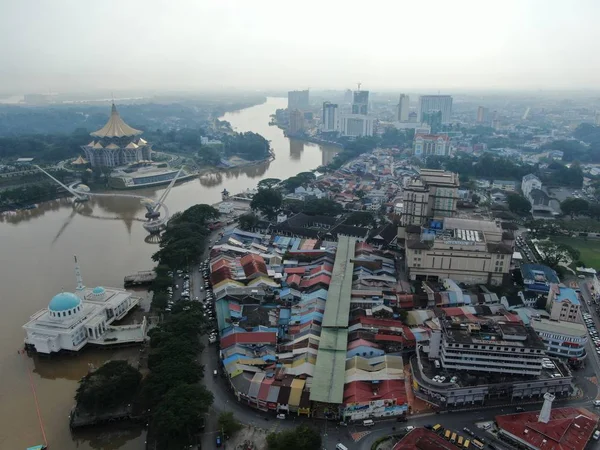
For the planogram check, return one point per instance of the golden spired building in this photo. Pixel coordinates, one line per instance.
(116, 144)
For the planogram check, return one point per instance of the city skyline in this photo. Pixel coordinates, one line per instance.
(526, 45)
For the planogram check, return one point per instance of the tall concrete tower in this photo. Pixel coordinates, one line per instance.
(546, 408)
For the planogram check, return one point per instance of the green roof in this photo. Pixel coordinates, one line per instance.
(337, 306)
(330, 370)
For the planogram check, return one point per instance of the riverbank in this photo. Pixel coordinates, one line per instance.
(106, 234)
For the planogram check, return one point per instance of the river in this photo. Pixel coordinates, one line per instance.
(107, 236)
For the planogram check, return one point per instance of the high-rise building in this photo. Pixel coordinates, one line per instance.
(348, 96)
(356, 125)
(296, 121)
(434, 120)
(443, 103)
(298, 100)
(483, 114)
(330, 118)
(433, 193)
(360, 102)
(403, 108)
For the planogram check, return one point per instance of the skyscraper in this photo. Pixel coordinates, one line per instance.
(330, 117)
(483, 114)
(403, 108)
(360, 102)
(429, 103)
(296, 121)
(298, 100)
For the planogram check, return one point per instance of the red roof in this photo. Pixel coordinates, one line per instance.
(568, 428)
(253, 264)
(325, 279)
(234, 307)
(321, 268)
(381, 322)
(298, 270)
(263, 391)
(294, 279)
(423, 439)
(362, 391)
(254, 337)
(224, 273)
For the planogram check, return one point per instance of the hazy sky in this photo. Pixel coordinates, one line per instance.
(62, 45)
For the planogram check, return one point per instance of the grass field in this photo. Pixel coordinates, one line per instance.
(588, 248)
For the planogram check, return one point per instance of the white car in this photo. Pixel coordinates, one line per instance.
(281, 416)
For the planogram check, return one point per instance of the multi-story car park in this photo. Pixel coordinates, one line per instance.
(509, 348)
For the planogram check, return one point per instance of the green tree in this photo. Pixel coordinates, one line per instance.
(267, 201)
(209, 155)
(300, 438)
(475, 198)
(323, 207)
(228, 423)
(292, 183)
(268, 183)
(112, 385)
(594, 210)
(178, 415)
(361, 218)
(518, 204)
(574, 206)
(248, 221)
(554, 254)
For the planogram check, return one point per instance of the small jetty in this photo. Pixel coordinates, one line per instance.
(139, 279)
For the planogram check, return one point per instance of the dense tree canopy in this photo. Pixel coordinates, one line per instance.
(574, 206)
(322, 207)
(518, 204)
(249, 146)
(554, 254)
(248, 221)
(177, 417)
(267, 201)
(182, 244)
(112, 385)
(360, 218)
(268, 183)
(300, 438)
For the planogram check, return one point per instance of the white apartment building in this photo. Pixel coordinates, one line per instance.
(529, 183)
(356, 125)
(428, 103)
(464, 250)
(433, 194)
(493, 347)
(331, 118)
(562, 339)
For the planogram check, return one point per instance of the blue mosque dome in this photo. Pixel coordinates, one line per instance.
(64, 301)
(98, 290)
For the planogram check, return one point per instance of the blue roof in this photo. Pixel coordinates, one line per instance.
(567, 294)
(64, 301)
(98, 290)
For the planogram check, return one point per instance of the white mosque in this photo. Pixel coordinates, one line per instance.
(73, 320)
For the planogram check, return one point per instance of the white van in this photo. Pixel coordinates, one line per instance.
(341, 447)
(368, 423)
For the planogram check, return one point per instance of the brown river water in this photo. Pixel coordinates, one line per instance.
(36, 254)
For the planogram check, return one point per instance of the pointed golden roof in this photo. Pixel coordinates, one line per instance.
(79, 161)
(115, 127)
